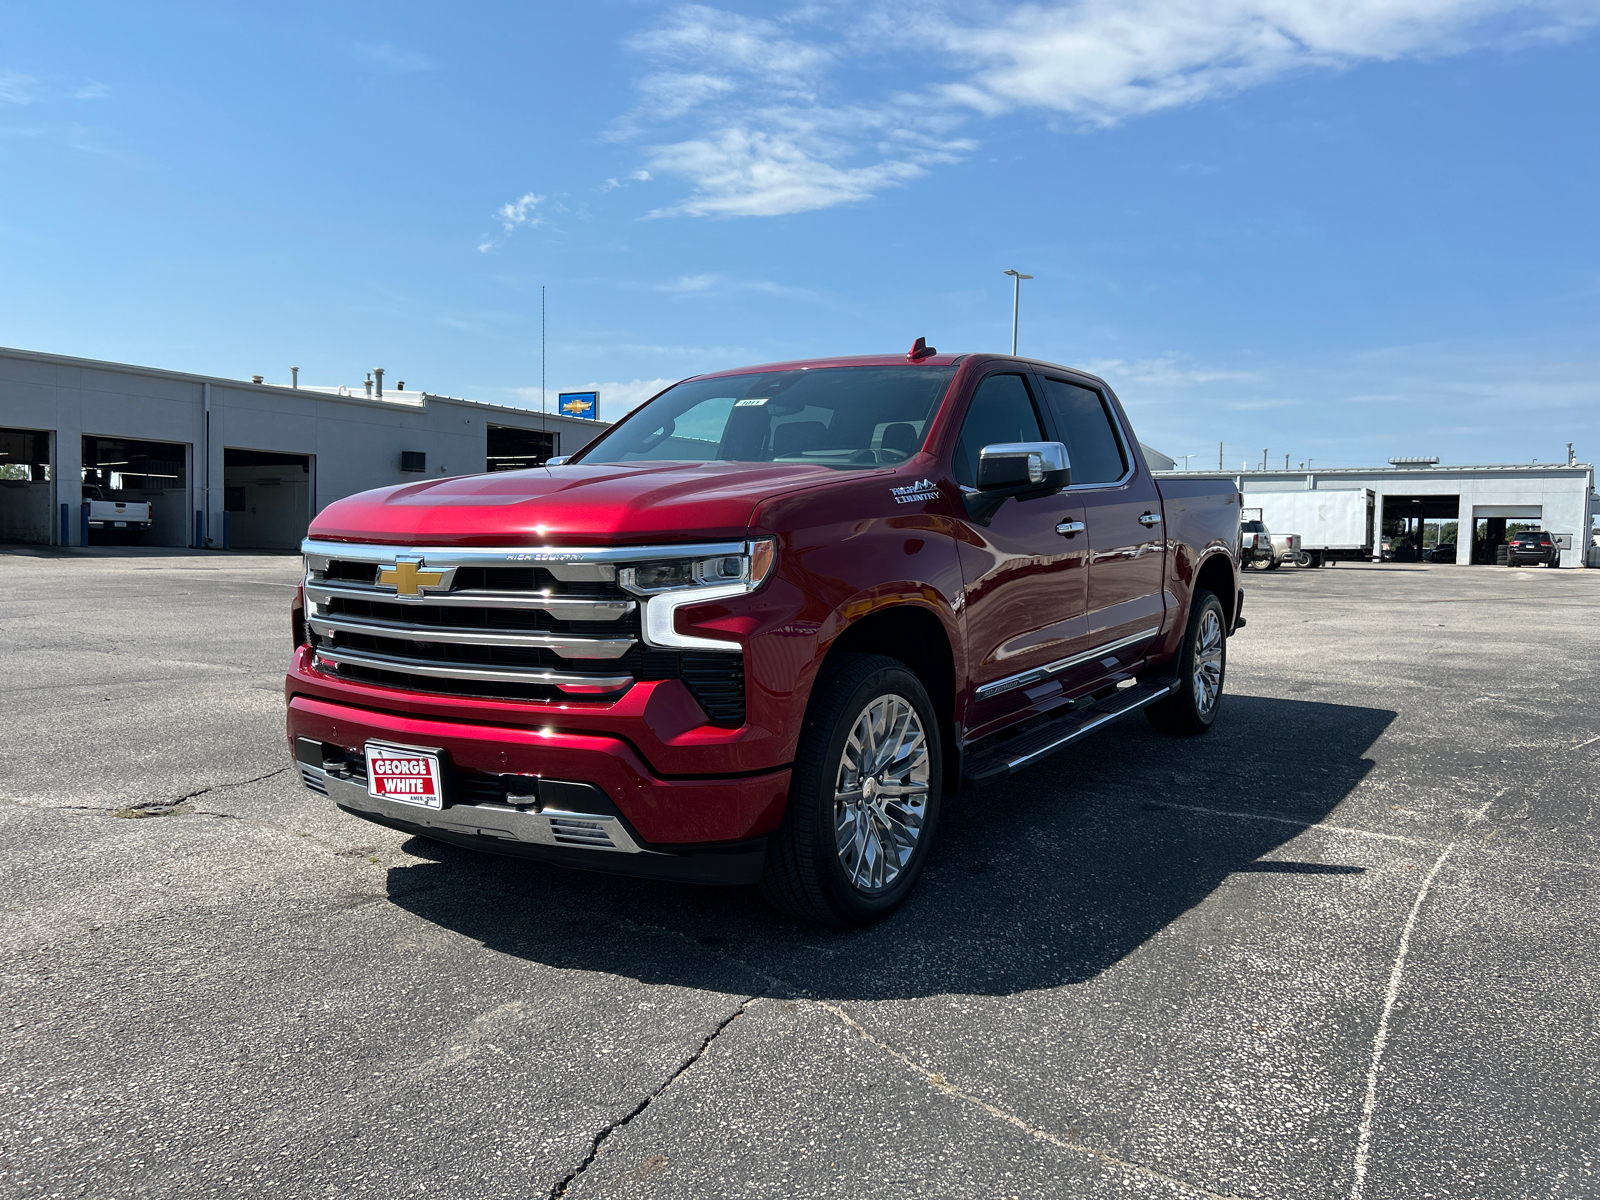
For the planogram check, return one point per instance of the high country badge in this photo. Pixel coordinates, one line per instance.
(923, 489)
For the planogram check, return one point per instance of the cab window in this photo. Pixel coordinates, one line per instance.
(1002, 411)
(1084, 420)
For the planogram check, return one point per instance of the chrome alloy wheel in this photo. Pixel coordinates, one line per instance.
(1208, 662)
(880, 799)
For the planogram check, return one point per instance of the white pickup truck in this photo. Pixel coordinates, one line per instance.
(132, 517)
(1262, 549)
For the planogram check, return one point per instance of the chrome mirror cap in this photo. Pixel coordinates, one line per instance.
(1023, 464)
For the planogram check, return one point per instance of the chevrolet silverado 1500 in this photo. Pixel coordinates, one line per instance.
(759, 629)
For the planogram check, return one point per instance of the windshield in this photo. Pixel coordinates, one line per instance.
(842, 417)
(1253, 527)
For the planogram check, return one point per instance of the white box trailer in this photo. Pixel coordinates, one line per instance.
(1335, 525)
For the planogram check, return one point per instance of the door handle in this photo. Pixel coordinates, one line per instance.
(1068, 528)
(1149, 519)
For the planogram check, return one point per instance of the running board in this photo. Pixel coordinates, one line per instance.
(996, 762)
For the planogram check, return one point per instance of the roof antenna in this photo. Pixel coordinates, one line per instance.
(921, 350)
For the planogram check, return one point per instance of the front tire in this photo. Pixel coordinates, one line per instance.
(1202, 667)
(863, 796)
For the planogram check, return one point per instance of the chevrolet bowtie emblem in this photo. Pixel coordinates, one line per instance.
(410, 578)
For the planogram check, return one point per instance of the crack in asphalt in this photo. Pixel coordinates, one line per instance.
(778, 985)
(944, 1086)
(148, 809)
(600, 1139)
(218, 787)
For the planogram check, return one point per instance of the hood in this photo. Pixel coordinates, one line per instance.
(574, 505)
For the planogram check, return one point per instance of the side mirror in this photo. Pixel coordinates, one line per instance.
(1022, 469)
(1041, 465)
(557, 460)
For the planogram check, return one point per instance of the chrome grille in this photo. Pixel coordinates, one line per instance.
(497, 625)
(558, 630)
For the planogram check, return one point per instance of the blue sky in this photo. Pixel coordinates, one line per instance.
(1340, 232)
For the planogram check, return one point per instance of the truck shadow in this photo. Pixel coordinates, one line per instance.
(1048, 879)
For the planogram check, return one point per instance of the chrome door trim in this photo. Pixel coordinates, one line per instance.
(1012, 682)
(1068, 528)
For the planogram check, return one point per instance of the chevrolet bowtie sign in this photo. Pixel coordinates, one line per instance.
(577, 404)
(410, 578)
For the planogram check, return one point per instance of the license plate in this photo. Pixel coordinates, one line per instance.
(404, 773)
(119, 524)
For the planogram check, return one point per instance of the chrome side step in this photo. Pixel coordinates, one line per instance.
(995, 762)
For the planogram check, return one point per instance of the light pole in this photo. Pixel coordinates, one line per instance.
(1016, 299)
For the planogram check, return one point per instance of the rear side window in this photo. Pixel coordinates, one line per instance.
(1002, 411)
(1084, 419)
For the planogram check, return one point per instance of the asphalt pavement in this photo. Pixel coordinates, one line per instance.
(1342, 946)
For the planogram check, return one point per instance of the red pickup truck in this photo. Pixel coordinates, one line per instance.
(760, 628)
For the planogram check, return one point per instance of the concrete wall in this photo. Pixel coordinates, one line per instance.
(355, 441)
(25, 511)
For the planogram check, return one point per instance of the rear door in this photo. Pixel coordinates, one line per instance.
(1026, 582)
(1122, 512)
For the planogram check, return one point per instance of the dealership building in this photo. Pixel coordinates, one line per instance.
(225, 463)
(1417, 500)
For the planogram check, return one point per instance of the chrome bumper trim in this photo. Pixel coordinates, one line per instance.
(566, 681)
(550, 827)
(562, 646)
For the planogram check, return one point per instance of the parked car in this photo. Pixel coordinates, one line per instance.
(1532, 546)
(758, 629)
(1444, 552)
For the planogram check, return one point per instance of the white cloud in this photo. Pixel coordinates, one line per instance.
(744, 172)
(612, 185)
(1106, 60)
(92, 91)
(387, 54)
(521, 211)
(514, 214)
(16, 88)
(689, 284)
(761, 132)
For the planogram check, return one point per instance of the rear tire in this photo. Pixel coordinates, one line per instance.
(863, 796)
(1201, 667)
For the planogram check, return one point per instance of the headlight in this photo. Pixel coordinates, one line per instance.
(671, 585)
(749, 569)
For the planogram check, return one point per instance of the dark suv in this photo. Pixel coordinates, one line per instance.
(1533, 546)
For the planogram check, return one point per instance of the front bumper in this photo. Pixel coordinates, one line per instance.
(599, 806)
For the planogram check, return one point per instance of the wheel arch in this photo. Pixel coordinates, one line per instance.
(915, 636)
(1217, 576)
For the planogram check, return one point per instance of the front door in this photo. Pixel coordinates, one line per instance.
(1025, 572)
(1122, 510)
